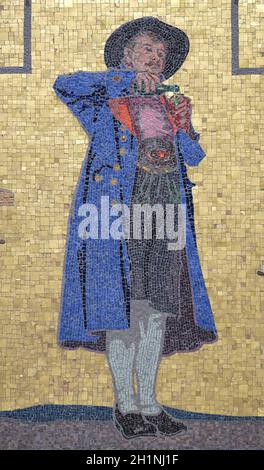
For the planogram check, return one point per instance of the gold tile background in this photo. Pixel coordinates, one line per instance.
(11, 33)
(251, 33)
(42, 149)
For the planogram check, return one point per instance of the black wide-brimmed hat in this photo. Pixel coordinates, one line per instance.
(177, 42)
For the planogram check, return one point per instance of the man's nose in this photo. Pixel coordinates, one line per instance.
(155, 56)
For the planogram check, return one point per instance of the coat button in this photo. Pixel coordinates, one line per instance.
(113, 181)
(114, 201)
(116, 78)
(123, 127)
(98, 178)
(116, 167)
(122, 151)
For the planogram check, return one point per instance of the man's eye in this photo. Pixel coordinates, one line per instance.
(148, 49)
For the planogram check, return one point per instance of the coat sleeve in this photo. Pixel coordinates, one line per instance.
(86, 92)
(189, 147)
(192, 132)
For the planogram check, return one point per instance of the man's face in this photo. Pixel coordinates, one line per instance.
(146, 55)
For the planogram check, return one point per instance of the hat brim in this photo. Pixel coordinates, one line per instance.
(177, 42)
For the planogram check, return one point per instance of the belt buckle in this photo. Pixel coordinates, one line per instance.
(152, 158)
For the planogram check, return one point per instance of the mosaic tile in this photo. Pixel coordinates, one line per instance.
(129, 105)
(15, 37)
(251, 33)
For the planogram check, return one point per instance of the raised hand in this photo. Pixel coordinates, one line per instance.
(145, 82)
(181, 111)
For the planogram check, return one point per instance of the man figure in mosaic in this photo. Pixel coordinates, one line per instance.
(134, 299)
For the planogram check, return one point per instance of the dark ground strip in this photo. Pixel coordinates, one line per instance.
(102, 435)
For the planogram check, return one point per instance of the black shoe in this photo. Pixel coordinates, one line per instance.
(132, 424)
(166, 424)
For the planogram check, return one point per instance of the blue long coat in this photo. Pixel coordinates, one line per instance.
(95, 290)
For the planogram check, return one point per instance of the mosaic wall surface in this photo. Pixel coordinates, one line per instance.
(251, 33)
(11, 21)
(43, 148)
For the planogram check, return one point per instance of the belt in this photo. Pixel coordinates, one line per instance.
(159, 170)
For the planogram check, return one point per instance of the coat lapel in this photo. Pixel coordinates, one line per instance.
(119, 108)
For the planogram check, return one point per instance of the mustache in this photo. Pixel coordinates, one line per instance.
(153, 63)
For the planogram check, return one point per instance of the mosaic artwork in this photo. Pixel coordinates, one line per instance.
(133, 298)
(138, 277)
